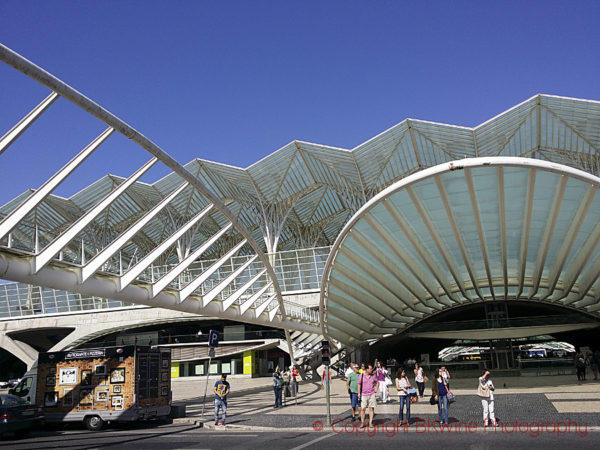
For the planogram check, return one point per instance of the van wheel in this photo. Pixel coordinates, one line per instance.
(93, 423)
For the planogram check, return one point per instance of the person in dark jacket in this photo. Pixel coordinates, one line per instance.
(277, 387)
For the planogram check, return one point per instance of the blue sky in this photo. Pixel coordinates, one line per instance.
(233, 81)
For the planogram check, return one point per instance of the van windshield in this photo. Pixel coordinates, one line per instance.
(22, 389)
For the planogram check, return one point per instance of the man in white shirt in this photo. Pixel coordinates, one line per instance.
(349, 370)
(445, 375)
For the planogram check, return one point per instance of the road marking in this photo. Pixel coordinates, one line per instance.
(574, 396)
(230, 435)
(314, 441)
(219, 435)
(577, 407)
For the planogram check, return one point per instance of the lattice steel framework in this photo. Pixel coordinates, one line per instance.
(303, 194)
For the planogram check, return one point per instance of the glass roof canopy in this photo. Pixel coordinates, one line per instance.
(472, 230)
(300, 196)
(303, 194)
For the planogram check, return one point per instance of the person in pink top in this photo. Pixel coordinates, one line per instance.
(367, 386)
(381, 372)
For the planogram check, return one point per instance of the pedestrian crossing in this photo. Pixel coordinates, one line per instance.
(576, 402)
(573, 396)
(577, 407)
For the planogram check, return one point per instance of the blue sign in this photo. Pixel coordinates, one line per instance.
(213, 338)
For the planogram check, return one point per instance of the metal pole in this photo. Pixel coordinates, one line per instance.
(327, 394)
(205, 389)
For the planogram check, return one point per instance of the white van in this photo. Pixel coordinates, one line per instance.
(100, 385)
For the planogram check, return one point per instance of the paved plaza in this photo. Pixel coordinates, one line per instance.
(535, 413)
(518, 400)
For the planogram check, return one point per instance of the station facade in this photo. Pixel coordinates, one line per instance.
(388, 240)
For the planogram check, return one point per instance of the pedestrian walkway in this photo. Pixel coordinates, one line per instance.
(525, 399)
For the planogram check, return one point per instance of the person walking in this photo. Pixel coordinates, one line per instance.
(580, 366)
(349, 370)
(367, 386)
(440, 391)
(595, 363)
(325, 378)
(446, 375)
(221, 389)
(419, 379)
(277, 387)
(352, 386)
(286, 375)
(295, 377)
(381, 374)
(588, 362)
(485, 390)
(403, 385)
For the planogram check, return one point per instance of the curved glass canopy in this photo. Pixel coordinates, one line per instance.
(472, 230)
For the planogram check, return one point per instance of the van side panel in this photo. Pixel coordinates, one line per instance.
(76, 383)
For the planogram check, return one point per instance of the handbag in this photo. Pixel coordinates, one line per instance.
(425, 379)
(451, 397)
(414, 398)
(483, 392)
(388, 381)
(432, 400)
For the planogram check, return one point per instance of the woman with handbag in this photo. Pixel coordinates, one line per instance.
(440, 390)
(485, 390)
(403, 386)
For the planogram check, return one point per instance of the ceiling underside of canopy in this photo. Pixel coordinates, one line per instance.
(473, 230)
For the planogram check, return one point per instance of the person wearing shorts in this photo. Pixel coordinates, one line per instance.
(352, 385)
(367, 386)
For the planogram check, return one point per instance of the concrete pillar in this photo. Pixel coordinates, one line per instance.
(19, 349)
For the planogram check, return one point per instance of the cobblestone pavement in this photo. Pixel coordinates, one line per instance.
(554, 400)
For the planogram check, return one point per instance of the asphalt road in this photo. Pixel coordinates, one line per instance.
(179, 436)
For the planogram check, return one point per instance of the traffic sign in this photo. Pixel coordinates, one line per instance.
(213, 338)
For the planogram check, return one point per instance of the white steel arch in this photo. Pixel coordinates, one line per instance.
(219, 290)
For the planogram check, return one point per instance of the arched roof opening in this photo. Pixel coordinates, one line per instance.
(472, 230)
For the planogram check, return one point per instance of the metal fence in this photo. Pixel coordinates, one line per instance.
(19, 300)
(297, 271)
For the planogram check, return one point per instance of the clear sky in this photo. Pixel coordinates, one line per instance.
(233, 81)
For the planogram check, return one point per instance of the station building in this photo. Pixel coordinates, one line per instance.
(425, 237)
